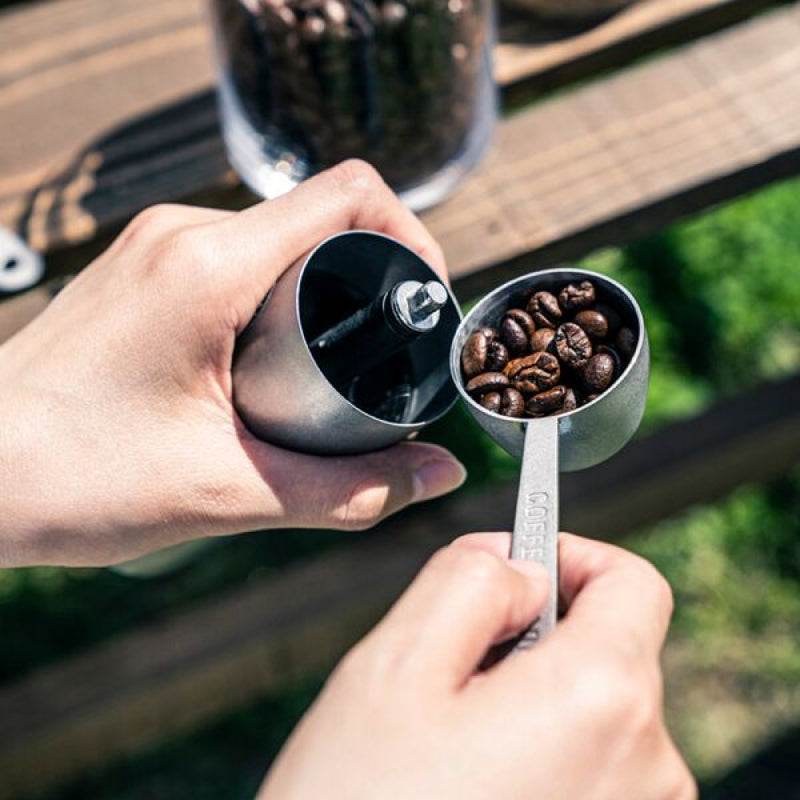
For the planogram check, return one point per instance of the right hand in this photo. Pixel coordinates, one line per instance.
(408, 714)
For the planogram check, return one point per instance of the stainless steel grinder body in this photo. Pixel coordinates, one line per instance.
(279, 390)
(571, 441)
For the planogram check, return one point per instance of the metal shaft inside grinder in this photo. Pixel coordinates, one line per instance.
(373, 334)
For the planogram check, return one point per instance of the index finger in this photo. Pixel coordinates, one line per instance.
(608, 591)
(264, 240)
(618, 607)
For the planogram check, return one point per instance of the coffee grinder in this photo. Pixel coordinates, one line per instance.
(349, 351)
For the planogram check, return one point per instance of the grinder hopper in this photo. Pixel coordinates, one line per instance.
(287, 396)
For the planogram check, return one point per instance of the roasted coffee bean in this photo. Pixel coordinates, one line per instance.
(513, 403)
(612, 316)
(496, 357)
(593, 323)
(572, 345)
(487, 382)
(544, 309)
(523, 319)
(474, 354)
(609, 350)
(575, 354)
(572, 400)
(546, 402)
(542, 340)
(626, 343)
(573, 297)
(491, 401)
(598, 373)
(534, 373)
(514, 336)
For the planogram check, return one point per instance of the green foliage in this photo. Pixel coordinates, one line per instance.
(741, 556)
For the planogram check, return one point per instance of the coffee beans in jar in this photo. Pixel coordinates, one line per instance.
(403, 84)
(550, 353)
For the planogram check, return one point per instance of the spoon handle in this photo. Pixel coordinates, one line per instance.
(535, 535)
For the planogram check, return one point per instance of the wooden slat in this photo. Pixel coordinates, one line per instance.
(538, 58)
(156, 682)
(111, 106)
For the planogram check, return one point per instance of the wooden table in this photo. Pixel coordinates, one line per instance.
(108, 108)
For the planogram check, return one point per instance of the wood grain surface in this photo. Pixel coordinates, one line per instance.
(109, 106)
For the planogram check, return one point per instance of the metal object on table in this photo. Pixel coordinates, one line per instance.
(290, 398)
(570, 441)
(21, 267)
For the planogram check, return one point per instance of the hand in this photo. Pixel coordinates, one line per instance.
(118, 434)
(407, 714)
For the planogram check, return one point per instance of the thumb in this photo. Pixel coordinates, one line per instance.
(352, 492)
(467, 598)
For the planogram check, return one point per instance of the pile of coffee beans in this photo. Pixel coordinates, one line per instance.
(391, 81)
(556, 353)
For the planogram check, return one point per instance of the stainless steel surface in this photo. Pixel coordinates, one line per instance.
(571, 441)
(535, 535)
(425, 302)
(20, 266)
(279, 390)
(416, 307)
(594, 432)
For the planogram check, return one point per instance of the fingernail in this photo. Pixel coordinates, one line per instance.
(437, 477)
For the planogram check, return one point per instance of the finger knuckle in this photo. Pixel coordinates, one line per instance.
(683, 786)
(664, 590)
(188, 246)
(182, 255)
(687, 790)
(150, 221)
(364, 505)
(482, 571)
(357, 177)
(611, 697)
(655, 582)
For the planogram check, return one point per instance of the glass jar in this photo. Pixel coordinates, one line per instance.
(404, 84)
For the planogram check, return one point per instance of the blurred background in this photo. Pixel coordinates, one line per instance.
(186, 684)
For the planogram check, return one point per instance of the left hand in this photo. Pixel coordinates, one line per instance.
(118, 430)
